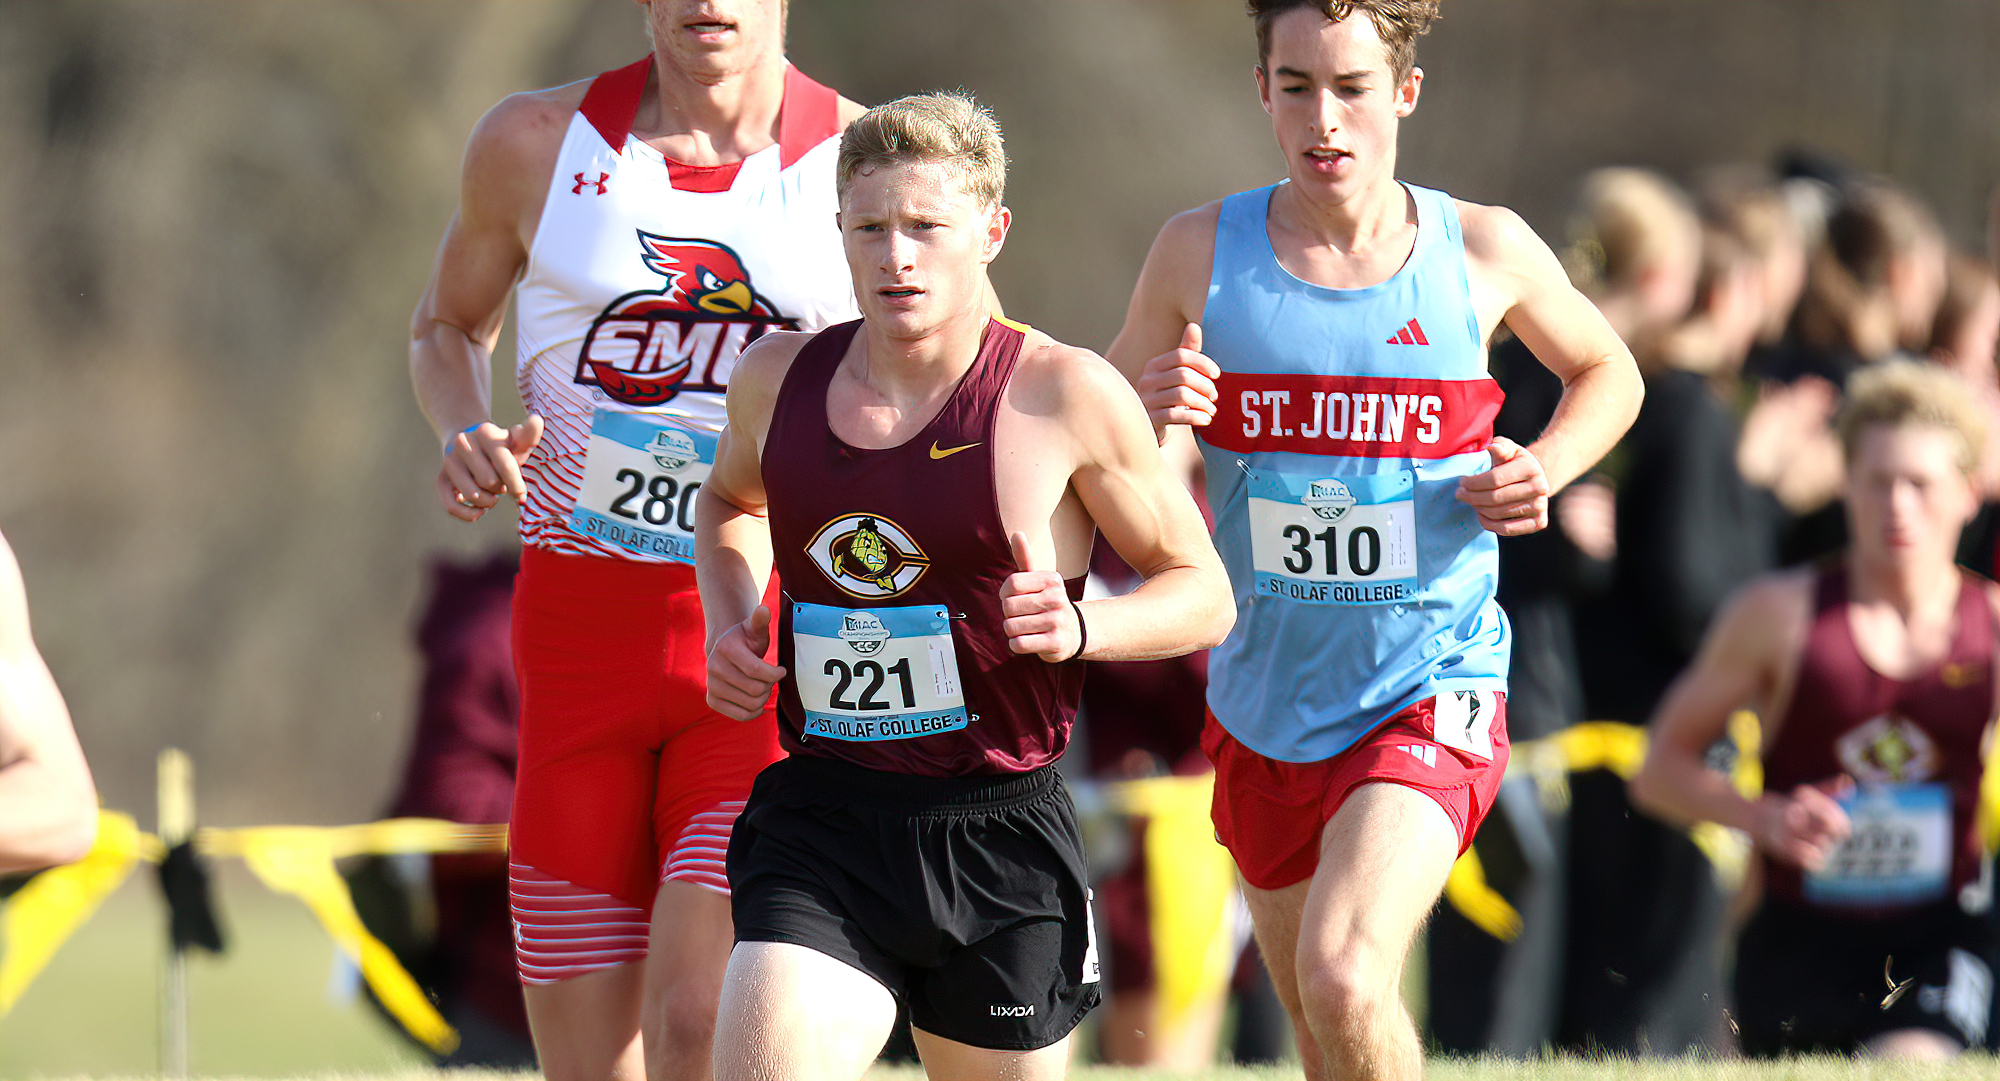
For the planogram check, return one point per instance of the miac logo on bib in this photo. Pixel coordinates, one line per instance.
(650, 345)
(867, 555)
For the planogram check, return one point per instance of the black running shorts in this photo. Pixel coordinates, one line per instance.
(964, 896)
(1808, 981)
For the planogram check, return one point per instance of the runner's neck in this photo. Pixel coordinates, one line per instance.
(909, 372)
(1376, 215)
(1917, 593)
(697, 119)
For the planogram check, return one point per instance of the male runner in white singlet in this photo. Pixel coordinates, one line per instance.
(1357, 711)
(650, 223)
(48, 806)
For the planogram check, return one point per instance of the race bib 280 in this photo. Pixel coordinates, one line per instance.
(640, 477)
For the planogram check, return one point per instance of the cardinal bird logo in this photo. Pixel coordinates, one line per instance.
(648, 346)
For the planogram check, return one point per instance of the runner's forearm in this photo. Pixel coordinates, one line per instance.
(1598, 404)
(1677, 785)
(1175, 612)
(732, 561)
(453, 379)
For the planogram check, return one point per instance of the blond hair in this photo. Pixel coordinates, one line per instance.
(1628, 219)
(1909, 393)
(949, 127)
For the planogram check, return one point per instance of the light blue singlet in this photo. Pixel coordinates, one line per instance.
(1346, 418)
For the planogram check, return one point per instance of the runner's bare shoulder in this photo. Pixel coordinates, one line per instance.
(1174, 284)
(760, 371)
(1767, 617)
(1189, 237)
(1072, 384)
(1497, 236)
(513, 149)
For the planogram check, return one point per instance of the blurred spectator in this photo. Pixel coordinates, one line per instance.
(1873, 284)
(447, 916)
(48, 805)
(1757, 215)
(1144, 719)
(1966, 331)
(1964, 338)
(1641, 971)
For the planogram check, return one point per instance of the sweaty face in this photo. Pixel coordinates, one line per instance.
(917, 243)
(715, 38)
(1907, 498)
(1334, 102)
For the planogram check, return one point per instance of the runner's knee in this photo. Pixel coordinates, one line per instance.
(1347, 988)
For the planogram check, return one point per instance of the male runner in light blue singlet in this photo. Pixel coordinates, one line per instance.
(1357, 711)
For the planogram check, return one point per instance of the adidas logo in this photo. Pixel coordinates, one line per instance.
(1411, 334)
(1427, 755)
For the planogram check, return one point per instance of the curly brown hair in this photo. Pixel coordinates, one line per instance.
(1399, 23)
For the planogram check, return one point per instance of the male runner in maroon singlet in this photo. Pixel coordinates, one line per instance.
(925, 482)
(1874, 673)
(647, 224)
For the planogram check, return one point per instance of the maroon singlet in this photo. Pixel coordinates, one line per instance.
(1887, 734)
(913, 528)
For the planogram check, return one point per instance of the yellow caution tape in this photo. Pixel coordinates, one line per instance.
(1478, 902)
(1190, 888)
(46, 911)
(1621, 748)
(289, 859)
(387, 837)
(299, 860)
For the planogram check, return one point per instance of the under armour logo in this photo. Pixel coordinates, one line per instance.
(600, 182)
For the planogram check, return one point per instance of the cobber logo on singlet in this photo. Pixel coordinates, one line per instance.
(647, 346)
(867, 555)
(1888, 750)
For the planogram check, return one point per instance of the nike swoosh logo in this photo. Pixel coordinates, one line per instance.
(936, 453)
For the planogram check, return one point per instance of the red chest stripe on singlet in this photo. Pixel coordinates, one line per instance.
(1353, 416)
(702, 178)
(613, 100)
(809, 116)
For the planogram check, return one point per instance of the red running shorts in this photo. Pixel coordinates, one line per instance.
(627, 779)
(1270, 814)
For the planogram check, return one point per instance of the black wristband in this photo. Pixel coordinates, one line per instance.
(1082, 634)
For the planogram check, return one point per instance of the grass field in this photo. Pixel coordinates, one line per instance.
(269, 1009)
(261, 1010)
